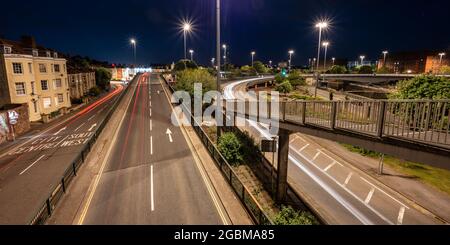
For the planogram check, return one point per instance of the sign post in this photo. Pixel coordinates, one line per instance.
(13, 116)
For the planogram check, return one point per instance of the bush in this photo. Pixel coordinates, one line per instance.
(259, 67)
(445, 70)
(384, 70)
(365, 70)
(279, 78)
(187, 78)
(285, 87)
(337, 70)
(424, 87)
(185, 64)
(231, 148)
(103, 78)
(95, 91)
(295, 79)
(288, 216)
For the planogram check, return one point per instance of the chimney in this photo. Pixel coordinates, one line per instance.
(28, 41)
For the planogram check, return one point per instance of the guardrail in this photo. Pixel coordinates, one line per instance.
(60, 188)
(248, 200)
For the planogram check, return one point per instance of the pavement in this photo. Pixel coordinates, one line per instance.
(150, 174)
(31, 167)
(339, 192)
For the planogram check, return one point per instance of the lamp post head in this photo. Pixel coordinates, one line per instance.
(362, 57)
(133, 41)
(442, 54)
(333, 59)
(325, 44)
(322, 25)
(253, 53)
(385, 52)
(187, 27)
(224, 46)
(191, 51)
(291, 52)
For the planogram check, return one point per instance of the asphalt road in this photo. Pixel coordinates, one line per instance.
(150, 176)
(341, 193)
(30, 168)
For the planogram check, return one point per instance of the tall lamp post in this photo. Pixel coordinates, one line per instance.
(291, 52)
(362, 57)
(224, 54)
(253, 57)
(321, 25)
(192, 54)
(334, 60)
(218, 41)
(441, 55)
(325, 45)
(133, 43)
(385, 53)
(213, 60)
(186, 29)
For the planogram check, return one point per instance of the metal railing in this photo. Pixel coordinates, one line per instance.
(60, 188)
(245, 196)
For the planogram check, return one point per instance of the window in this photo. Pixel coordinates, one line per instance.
(17, 68)
(55, 55)
(48, 54)
(56, 68)
(60, 98)
(8, 50)
(30, 68)
(47, 102)
(33, 88)
(35, 53)
(57, 83)
(44, 85)
(20, 89)
(42, 68)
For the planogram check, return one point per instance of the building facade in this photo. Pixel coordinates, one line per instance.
(35, 76)
(81, 84)
(414, 62)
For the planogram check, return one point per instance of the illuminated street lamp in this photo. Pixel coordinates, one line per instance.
(192, 54)
(441, 55)
(321, 25)
(362, 57)
(291, 52)
(187, 28)
(333, 59)
(325, 45)
(270, 63)
(133, 43)
(385, 53)
(224, 54)
(253, 57)
(213, 60)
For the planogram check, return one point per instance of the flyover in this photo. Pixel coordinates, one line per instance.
(366, 78)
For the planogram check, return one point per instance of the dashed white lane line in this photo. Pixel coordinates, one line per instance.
(79, 127)
(330, 166)
(347, 180)
(151, 145)
(369, 196)
(152, 198)
(31, 165)
(92, 117)
(401, 214)
(151, 125)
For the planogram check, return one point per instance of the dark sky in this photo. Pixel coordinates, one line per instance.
(101, 29)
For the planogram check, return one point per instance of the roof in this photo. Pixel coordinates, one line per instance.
(24, 46)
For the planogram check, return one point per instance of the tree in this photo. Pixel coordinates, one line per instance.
(296, 79)
(365, 70)
(231, 148)
(288, 216)
(445, 70)
(187, 78)
(185, 64)
(279, 78)
(384, 70)
(103, 78)
(248, 70)
(424, 87)
(337, 70)
(285, 87)
(259, 67)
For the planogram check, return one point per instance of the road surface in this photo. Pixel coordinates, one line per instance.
(150, 175)
(29, 169)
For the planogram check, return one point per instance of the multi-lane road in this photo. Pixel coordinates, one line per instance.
(150, 175)
(338, 191)
(36, 163)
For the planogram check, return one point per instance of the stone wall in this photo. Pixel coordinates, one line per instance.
(21, 127)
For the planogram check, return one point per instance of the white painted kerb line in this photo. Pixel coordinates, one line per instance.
(151, 189)
(31, 165)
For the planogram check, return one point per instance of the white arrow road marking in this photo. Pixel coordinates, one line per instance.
(92, 127)
(169, 133)
(32, 164)
(60, 131)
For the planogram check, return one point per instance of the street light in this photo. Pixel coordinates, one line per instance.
(133, 43)
(325, 44)
(192, 54)
(291, 52)
(321, 25)
(441, 55)
(333, 59)
(187, 28)
(384, 57)
(270, 63)
(253, 56)
(213, 60)
(362, 57)
(224, 54)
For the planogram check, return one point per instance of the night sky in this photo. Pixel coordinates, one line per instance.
(102, 29)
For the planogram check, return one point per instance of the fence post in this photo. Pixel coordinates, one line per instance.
(63, 185)
(381, 119)
(304, 113)
(333, 114)
(49, 208)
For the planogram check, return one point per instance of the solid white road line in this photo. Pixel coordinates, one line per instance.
(79, 127)
(401, 214)
(92, 117)
(59, 131)
(369, 196)
(32, 164)
(152, 198)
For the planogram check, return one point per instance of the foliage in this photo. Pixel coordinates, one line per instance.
(95, 91)
(259, 67)
(298, 96)
(288, 216)
(279, 78)
(424, 87)
(231, 148)
(228, 67)
(185, 64)
(365, 70)
(296, 79)
(285, 87)
(187, 78)
(385, 70)
(337, 70)
(248, 69)
(103, 78)
(445, 70)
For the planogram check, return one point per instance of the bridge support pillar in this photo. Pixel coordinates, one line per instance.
(283, 158)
